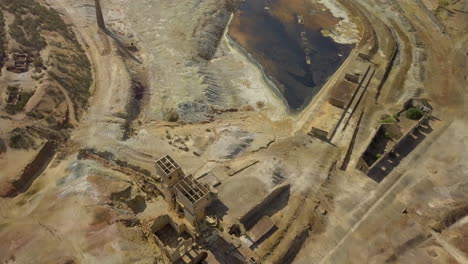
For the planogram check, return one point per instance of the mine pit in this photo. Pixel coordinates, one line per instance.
(233, 131)
(293, 52)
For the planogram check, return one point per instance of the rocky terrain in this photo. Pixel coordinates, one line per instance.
(82, 126)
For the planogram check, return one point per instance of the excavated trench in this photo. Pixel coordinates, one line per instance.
(134, 107)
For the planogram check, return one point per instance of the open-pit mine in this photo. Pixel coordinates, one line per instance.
(233, 131)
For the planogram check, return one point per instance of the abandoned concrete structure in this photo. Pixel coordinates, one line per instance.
(319, 133)
(171, 237)
(20, 63)
(342, 94)
(184, 193)
(364, 56)
(193, 198)
(383, 150)
(352, 77)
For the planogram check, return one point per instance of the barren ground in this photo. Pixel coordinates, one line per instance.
(190, 93)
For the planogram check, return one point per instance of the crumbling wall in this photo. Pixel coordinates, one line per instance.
(183, 247)
(400, 143)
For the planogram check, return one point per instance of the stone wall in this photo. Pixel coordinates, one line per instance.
(32, 170)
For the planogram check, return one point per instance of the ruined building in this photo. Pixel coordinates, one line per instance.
(184, 193)
(19, 63)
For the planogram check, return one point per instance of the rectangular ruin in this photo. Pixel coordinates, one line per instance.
(341, 94)
(171, 238)
(264, 226)
(20, 63)
(191, 190)
(354, 78)
(383, 151)
(193, 197)
(169, 170)
(184, 193)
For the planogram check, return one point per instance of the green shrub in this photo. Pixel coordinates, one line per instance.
(444, 3)
(35, 115)
(413, 114)
(388, 135)
(389, 120)
(38, 62)
(19, 106)
(21, 139)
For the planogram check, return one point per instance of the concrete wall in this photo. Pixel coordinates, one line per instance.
(159, 223)
(352, 78)
(183, 247)
(362, 165)
(337, 102)
(188, 205)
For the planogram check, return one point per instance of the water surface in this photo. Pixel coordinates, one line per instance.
(285, 37)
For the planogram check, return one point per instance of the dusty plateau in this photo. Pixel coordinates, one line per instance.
(145, 132)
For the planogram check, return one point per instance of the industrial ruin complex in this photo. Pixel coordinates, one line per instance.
(233, 131)
(188, 221)
(183, 193)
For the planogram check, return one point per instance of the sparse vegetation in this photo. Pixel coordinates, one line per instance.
(19, 106)
(220, 226)
(21, 139)
(388, 135)
(35, 115)
(38, 62)
(413, 114)
(444, 3)
(73, 72)
(71, 67)
(31, 18)
(389, 120)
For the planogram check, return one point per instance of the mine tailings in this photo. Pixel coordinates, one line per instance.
(285, 38)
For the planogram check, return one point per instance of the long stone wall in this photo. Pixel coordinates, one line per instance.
(32, 170)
